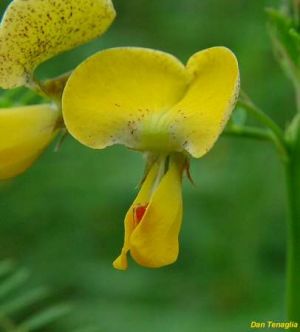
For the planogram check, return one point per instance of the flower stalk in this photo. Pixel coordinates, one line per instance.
(293, 243)
(288, 148)
(292, 171)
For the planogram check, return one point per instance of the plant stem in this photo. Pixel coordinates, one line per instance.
(277, 134)
(258, 134)
(290, 156)
(263, 118)
(297, 95)
(293, 238)
(248, 132)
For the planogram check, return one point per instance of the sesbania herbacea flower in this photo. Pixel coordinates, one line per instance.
(149, 101)
(31, 32)
(24, 133)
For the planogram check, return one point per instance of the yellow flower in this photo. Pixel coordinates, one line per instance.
(24, 134)
(31, 32)
(153, 222)
(150, 102)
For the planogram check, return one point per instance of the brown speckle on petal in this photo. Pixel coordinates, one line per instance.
(33, 31)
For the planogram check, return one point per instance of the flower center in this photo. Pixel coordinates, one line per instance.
(158, 134)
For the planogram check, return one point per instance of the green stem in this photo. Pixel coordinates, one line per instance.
(297, 94)
(275, 131)
(291, 159)
(293, 240)
(248, 132)
(258, 134)
(263, 118)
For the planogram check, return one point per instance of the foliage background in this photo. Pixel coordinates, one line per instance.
(63, 219)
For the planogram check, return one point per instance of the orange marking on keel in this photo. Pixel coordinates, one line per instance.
(139, 212)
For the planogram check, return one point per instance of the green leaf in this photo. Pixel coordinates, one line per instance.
(16, 300)
(88, 329)
(23, 301)
(286, 42)
(45, 317)
(13, 282)
(6, 267)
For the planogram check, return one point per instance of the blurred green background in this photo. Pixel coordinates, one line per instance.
(63, 219)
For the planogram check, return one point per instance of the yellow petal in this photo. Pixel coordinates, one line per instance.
(24, 133)
(33, 31)
(203, 112)
(109, 96)
(154, 242)
(148, 101)
(142, 198)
